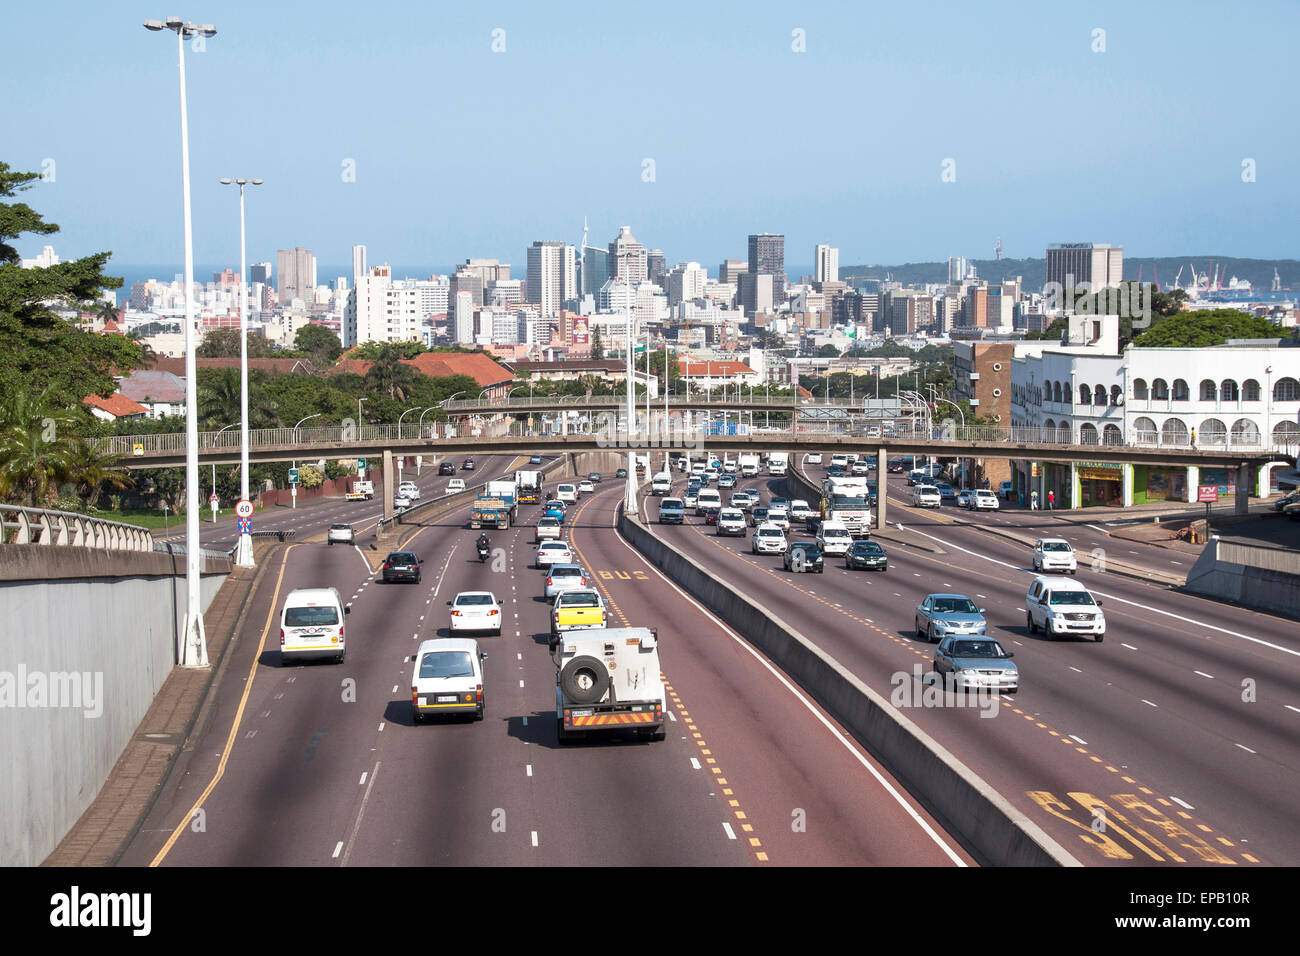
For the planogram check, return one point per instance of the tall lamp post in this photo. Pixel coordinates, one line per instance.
(293, 498)
(629, 504)
(214, 466)
(244, 550)
(194, 647)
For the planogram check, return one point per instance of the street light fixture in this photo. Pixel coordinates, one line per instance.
(244, 550)
(403, 415)
(194, 648)
(214, 465)
(294, 490)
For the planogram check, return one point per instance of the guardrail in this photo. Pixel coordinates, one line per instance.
(21, 525)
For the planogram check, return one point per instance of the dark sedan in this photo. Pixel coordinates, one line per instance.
(593, 477)
(868, 555)
(621, 473)
(447, 468)
(467, 464)
(401, 566)
(804, 556)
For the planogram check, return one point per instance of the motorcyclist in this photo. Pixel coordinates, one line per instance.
(484, 542)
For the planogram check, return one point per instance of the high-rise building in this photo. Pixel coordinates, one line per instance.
(731, 270)
(828, 264)
(550, 276)
(957, 268)
(463, 318)
(259, 272)
(595, 269)
(467, 280)
(1074, 264)
(503, 292)
(358, 263)
(656, 266)
(381, 310)
(685, 282)
(627, 257)
(297, 271)
(766, 257)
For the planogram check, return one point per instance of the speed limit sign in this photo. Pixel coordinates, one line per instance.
(244, 509)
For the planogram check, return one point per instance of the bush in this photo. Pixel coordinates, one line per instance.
(309, 476)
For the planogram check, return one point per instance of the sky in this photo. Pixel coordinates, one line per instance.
(398, 125)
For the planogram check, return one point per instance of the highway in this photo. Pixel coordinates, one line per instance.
(320, 764)
(1174, 741)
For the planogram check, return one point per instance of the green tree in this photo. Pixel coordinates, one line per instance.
(373, 351)
(93, 471)
(41, 348)
(389, 374)
(597, 346)
(218, 392)
(828, 351)
(34, 457)
(1207, 328)
(320, 344)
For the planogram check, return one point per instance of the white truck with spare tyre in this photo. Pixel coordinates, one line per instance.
(608, 680)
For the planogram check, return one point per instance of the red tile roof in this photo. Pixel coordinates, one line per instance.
(696, 367)
(117, 405)
(477, 365)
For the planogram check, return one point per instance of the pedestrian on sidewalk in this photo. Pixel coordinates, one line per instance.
(1033, 500)
(1051, 501)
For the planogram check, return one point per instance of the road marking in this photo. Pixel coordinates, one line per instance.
(521, 683)
(338, 848)
(1296, 709)
(364, 774)
(695, 764)
(534, 838)
(1077, 671)
(395, 688)
(1129, 646)
(529, 769)
(1182, 803)
(361, 810)
(731, 834)
(381, 727)
(1244, 747)
(1147, 702)
(1203, 674)
(1078, 739)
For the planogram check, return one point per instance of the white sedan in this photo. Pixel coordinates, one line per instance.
(401, 502)
(475, 611)
(768, 539)
(813, 459)
(585, 487)
(553, 552)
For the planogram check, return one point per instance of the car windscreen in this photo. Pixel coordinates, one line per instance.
(977, 649)
(867, 547)
(1055, 546)
(474, 600)
(447, 664)
(310, 616)
(835, 532)
(770, 533)
(955, 606)
(1070, 597)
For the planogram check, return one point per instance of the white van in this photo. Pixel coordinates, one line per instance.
(311, 625)
(661, 484)
(1061, 605)
(834, 538)
(567, 493)
(926, 496)
(706, 499)
(448, 679)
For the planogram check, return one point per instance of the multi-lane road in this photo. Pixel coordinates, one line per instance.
(322, 765)
(1174, 741)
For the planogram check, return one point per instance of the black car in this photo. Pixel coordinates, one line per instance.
(621, 473)
(1288, 499)
(447, 468)
(804, 556)
(401, 566)
(593, 477)
(467, 464)
(867, 555)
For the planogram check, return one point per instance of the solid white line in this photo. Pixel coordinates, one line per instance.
(1182, 803)
(1244, 747)
(731, 834)
(360, 813)
(1203, 674)
(362, 555)
(534, 838)
(1296, 709)
(885, 784)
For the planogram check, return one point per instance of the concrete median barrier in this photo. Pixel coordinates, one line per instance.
(990, 826)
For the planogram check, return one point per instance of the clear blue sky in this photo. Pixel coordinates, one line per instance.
(461, 152)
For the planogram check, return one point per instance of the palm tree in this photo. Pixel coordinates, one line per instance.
(219, 402)
(388, 373)
(33, 459)
(92, 470)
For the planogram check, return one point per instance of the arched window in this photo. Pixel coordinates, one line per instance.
(1099, 395)
(1174, 432)
(1286, 433)
(1140, 389)
(1208, 392)
(1111, 435)
(1056, 391)
(1065, 433)
(1181, 391)
(1245, 432)
(1286, 390)
(1212, 432)
(1144, 431)
(1049, 426)
(1250, 390)
(1088, 434)
(1116, 395)
(1228, 390)
(1085, 395)
(1159, 390)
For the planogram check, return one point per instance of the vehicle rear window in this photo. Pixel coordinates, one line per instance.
(446, 664)
(976, 649)
(473, 600)
(569, 572)
(580, 599)
(310, 616)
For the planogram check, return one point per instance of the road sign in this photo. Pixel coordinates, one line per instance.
(214, 500)
(244, 509)
(401, 462)
(245, 525)
(361, 465)
(293, 476)
(1207, 493)
(137, 449)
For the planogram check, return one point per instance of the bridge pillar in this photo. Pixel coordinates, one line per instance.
(1076, 486)
(389, 487)
(1193, 483)
(1245, 477)
(1126, 486)
(882, 484)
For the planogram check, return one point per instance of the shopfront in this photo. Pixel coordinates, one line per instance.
(1159, 483)
(1225, 479)
(1101, 483)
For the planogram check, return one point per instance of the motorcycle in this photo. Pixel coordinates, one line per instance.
(483, 551)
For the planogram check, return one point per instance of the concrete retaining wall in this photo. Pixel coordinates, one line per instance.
(1264, 578)
(994, 829)
(115, 617)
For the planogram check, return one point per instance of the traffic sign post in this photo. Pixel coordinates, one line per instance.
(245, 525)
(244, 508)
(1209, 494)
(293, 476)
(214, 502)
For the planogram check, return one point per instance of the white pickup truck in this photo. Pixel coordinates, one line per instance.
(361, 491)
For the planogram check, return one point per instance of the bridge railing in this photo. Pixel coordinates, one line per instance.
(21, 525)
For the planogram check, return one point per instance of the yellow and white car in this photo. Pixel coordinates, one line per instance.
(448, 678)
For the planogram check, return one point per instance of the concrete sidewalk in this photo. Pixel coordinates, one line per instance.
(109, 824)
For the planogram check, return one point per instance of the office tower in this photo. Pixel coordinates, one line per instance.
(504, 292)
(656, 266)
(259, 272)
(957, 268)
(731, 270)
(757, 292)
(766, 257)
(358, 263)
(685, 282)
(550, 281)
(828, 264)
(297, 270)
(469, 281)
(1093, 265)
(595, 269)
(463, 318)
(627, 257)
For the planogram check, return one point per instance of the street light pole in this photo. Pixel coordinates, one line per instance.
(293, 489)
(244, 550)
(629, 504)
(214, 467)
(194, 647)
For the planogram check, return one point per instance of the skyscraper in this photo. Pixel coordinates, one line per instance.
(550, 276)
(259, 272)
(656, 266)
(766, 258)
(956, 269)
(635, 268)
(297, 269)
(595, 269)
(1085, 264)
(358, 263)
(828, 264)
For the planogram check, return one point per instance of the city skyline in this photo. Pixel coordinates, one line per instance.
(1164, 188)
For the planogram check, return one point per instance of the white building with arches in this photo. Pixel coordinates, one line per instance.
(1244, 394)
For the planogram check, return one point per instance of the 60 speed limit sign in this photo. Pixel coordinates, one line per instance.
(244, 509)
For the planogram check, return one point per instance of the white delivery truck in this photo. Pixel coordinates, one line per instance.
(361, 491)
(778, 462)
(748, 466)
(608, 680)
(848, 501)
